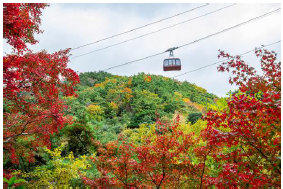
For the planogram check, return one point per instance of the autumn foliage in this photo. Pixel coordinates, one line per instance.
(163, 159)
(250, 126)
(20, 22)
(32, 84)
(236, 143)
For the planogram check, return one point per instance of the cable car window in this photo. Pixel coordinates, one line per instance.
(170, 62)
(174, 61)
(165, 63)
(178, 62)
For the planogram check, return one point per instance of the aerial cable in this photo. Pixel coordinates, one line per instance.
(153, 31)
(217, 33)
(140, 27)
(134, 61)
(233, 27)
(218, 62)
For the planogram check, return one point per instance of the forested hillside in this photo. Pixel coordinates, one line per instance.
(110, 102)
(141, 94)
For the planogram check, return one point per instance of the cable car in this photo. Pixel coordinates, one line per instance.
(171, 63)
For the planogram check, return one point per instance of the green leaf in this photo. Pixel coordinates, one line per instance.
(5, 180)
(20, 181)
(12, 181)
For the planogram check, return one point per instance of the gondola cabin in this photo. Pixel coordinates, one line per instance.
(172, 64)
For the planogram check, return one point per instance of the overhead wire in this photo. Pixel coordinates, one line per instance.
(140, 27)
(159, 30)
(218, 62)
(200, 39)
(130, 62)
(233, 27)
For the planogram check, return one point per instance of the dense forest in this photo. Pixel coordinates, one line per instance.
(96, 129)
(111, 103)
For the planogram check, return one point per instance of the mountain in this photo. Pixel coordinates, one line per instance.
(131, 101)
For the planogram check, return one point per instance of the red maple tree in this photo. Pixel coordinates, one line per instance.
(32, 85)
(251, 125)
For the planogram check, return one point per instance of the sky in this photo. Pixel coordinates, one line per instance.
(72, 25)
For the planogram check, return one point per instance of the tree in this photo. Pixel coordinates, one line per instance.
(145, 105)
(194, 117)
(20, 22)
(91, 78)
(32, 84)
(250, 128)
(59, 172)
(164, 159)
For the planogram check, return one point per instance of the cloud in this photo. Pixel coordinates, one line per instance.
(71, 25)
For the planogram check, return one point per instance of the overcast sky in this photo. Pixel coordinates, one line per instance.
(72, 25)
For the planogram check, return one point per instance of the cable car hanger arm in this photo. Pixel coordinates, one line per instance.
(171, 49)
